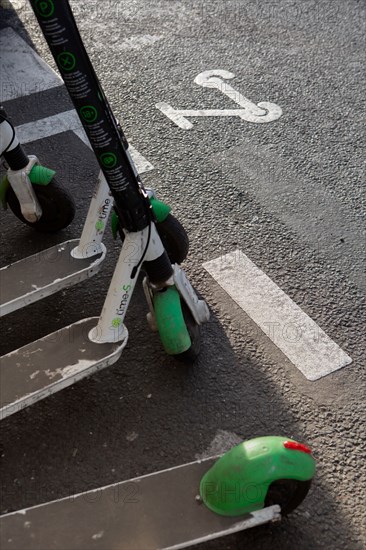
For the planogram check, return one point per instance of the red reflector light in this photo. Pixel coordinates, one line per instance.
(294, 446)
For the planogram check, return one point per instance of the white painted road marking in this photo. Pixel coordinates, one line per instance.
(291, 329)
(262, 113)
(222, 442)
(69, 121)
(22, 71)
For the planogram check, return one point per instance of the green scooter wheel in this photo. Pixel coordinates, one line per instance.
(178, 331)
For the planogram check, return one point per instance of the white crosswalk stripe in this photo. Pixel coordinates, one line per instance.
(284, 322)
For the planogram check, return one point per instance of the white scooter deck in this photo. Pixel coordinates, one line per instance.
(42, 274)
(156, 511)
(52, 363)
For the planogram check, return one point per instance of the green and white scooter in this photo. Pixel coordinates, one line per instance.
(35, 196)
(30, 189)
(254, 483)
(152, 240)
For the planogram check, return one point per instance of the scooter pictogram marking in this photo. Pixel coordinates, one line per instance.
(261, 113)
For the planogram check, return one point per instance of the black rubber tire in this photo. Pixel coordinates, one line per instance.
(174, 238)
(58, 207)
(190, 355)
(288, 493)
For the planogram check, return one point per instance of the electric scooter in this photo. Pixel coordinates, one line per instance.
(30, 189)
(250, 485)
(152, 240)
(41, 202)
(256, 482)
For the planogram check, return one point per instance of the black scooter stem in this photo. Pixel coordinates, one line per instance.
(107, 140)
(16, 158)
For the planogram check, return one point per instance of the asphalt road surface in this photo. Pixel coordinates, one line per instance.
(290, 194)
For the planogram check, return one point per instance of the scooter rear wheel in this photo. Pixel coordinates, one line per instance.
(288, 493)
(58, 207)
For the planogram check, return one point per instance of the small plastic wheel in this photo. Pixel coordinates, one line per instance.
(288, 493)
(174, 238)
(58, 207)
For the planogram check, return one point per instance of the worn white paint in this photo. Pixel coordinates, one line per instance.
(216, 79)
(24, 269)
(137, 42)
(259, 114)
(222, 442)
(284, 322)
(69, 121)
(22, 71)
(67, 376)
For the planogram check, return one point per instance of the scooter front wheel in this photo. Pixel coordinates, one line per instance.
(194, 330)
(178, 331)
(58, 207)
(174, 238)
(288, 493)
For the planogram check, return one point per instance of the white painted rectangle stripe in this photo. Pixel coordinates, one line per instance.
(69, 121)
(306, 345)
(22, 71)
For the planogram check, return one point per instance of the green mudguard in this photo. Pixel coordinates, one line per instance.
(39, 175)
(170, 321)
(238, 482)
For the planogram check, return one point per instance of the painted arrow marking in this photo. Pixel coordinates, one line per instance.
(261, 113)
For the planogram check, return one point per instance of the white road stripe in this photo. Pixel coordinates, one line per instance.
(291, 329)
(22, 71)
(69, 121)
(142, 164)
(222, 442)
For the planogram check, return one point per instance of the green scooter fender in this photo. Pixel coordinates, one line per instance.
(238, 481)
(39, 175)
